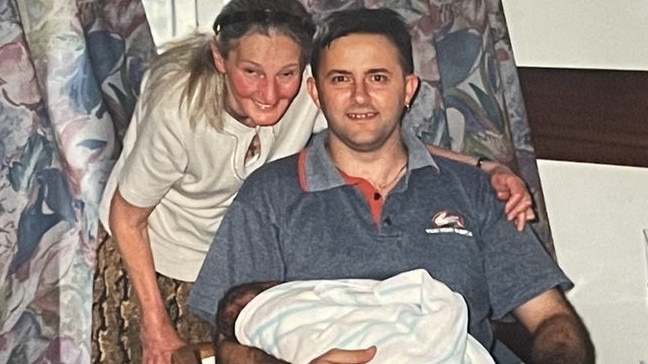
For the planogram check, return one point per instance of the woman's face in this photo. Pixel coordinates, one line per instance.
(262, 77)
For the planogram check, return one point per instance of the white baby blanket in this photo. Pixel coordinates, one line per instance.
(410, 318)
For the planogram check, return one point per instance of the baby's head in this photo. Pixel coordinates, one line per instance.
(230, 306)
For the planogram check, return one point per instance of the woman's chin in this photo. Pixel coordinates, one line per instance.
(266, 119)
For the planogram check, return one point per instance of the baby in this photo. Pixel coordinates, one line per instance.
(410, 318)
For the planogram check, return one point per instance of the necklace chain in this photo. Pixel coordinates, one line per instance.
(383, 186)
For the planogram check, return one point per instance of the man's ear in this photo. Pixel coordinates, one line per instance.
(219, 62)
(312, 91)
(411, 86)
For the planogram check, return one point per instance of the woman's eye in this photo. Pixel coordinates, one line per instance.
(288, 74)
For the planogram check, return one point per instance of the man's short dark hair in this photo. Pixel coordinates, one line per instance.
(382, 21)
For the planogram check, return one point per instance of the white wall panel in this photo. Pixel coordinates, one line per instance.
(597, 215)
(171, 19)
(600, 34)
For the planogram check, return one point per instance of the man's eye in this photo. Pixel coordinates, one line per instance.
(378, 78)
(338, 79)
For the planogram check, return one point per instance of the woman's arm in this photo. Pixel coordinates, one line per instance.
(507, 185)
(129, 225)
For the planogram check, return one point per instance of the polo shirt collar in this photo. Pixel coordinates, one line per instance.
(318, 173)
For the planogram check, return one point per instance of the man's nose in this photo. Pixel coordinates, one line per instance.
(360, 92)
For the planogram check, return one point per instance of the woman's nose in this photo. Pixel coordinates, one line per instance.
(268, 91)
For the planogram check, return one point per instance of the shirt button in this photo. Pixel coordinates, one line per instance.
(376, 196)
(387, 222)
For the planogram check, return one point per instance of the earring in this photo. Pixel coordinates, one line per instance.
(407, 106)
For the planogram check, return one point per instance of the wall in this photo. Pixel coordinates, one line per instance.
(170, 19)
(579, 33)
(596, 212)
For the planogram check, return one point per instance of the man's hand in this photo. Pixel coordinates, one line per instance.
(158, 343)
(338, 356)
(512, 189)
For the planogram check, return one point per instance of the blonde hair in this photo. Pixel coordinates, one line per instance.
(188, 66)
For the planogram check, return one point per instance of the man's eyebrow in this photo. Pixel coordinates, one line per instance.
(367, 72)
(337, 72)
(377, 70)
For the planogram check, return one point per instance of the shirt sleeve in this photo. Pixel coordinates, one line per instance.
(245, 249)
(517, 265)
(158, 157)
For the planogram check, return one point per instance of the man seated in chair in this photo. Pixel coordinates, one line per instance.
(366, 200)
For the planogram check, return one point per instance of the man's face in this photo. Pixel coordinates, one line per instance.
(362, 89)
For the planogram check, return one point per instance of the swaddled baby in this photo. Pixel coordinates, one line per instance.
(410, 318)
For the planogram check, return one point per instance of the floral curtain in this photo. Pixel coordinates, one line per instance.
(473, 100)
(69, 77)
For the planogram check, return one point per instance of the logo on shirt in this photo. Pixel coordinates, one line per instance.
(448, 222)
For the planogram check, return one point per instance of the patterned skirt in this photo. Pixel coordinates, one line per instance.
(115, 312)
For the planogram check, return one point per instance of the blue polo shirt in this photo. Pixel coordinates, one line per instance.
(300, 218)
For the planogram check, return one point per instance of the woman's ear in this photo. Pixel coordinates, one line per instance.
(219, 62)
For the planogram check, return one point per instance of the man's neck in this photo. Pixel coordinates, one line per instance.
(382, 167)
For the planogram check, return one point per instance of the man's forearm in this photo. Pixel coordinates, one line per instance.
(231, 352)
(562, 339)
